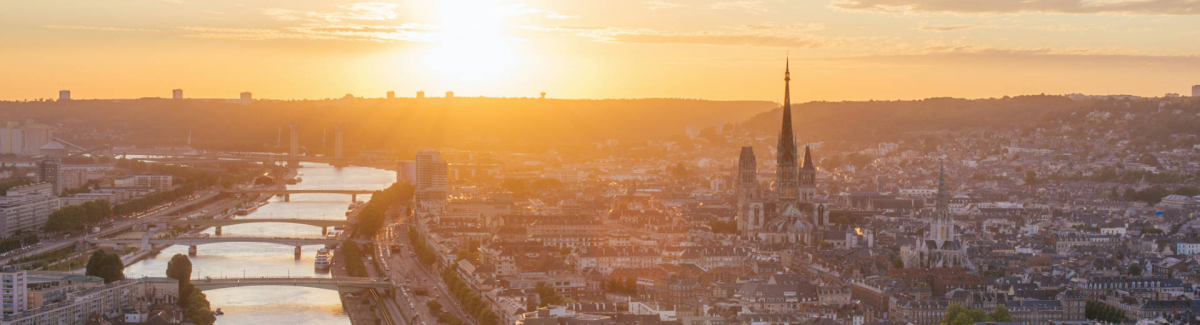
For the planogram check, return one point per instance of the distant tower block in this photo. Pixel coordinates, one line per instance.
(543, 95)
(337, 141)
(247, 98)
(420, 94)
(177, 94)
(294, 154)
(64, 95)
(449, 94)
(391, 95)
(1196, 91)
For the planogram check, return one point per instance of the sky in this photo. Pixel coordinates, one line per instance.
(706, 49)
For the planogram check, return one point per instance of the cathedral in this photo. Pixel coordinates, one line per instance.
(940, 247)
(786, 211)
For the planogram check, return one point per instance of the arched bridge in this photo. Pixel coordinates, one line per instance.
(238, 221)
(287, 194)
(195, 241)
(218, 223)
(344, 284)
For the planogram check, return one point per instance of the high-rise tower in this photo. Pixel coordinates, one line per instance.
(786, 172)
(747, 185)
(294, 149)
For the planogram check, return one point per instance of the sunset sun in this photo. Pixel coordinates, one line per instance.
(470, 44)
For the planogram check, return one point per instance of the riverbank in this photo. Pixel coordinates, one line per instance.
(262, 199)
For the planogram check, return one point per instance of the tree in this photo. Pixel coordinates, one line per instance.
(960, 315)
(1134, 269)
(1187, 191)
(180, 268)
(107, 266)
(1001, 314)
(194, 303)
(1031, 177)
(679, 171)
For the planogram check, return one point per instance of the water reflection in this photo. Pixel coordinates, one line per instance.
(276, 304)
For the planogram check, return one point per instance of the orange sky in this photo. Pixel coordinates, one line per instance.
(716, 49)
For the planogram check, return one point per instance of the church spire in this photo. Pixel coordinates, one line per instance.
(787, 182)
(787, 137)
(807, 159)
(942, 202)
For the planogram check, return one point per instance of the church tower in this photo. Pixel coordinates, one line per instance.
(747, 186)
(941, 230)
(808, 178)
(786, 173)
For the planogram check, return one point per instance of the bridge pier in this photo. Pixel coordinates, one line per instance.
(297, 252)
(287, 197)
(324, 231)
(353, 197)
(192, 250)
(218, 230)
(146, 241)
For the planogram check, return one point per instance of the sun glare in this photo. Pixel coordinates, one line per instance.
(471, 45)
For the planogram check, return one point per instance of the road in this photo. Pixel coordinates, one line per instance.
(404, 269)
(117, 225)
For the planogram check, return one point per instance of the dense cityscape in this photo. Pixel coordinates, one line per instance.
(1084, 216)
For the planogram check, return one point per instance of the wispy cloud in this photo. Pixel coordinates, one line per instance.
(340, 32)
(522, 9)
(751, 6)
(1134, 7)
(359, 11)
(928, 27)
(759, 35)
(945, 28)
(100, 28)
(657, 4)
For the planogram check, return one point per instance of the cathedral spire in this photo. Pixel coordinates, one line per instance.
(787, 180)
(787, 137)
(942, 203)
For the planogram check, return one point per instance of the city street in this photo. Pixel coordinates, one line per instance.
(408, 275)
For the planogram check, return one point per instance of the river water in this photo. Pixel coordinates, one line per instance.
(276, 304)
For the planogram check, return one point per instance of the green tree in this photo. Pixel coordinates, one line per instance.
(107, 266)
(679, 171)
(1134, 269)
(1031, 178)
(1001, 314)
(180, 268)
(194, 302)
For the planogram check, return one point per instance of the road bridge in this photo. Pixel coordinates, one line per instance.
(218, 223)
(192, 242)
(343, 284)
(287, 194)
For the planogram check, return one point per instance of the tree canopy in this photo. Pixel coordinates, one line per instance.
(107, 266)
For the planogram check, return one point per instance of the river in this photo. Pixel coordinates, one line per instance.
(276, 304)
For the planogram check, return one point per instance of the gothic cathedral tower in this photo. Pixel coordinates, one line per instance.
(808, 178)
(787, 185)
(941, 230)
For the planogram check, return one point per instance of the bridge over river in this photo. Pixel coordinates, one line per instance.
(344, 284)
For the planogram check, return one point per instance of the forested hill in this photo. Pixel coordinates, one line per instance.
(498, 123)
(881, 120)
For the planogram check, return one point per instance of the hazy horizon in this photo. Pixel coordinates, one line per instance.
(428, 95)
(716, 50)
